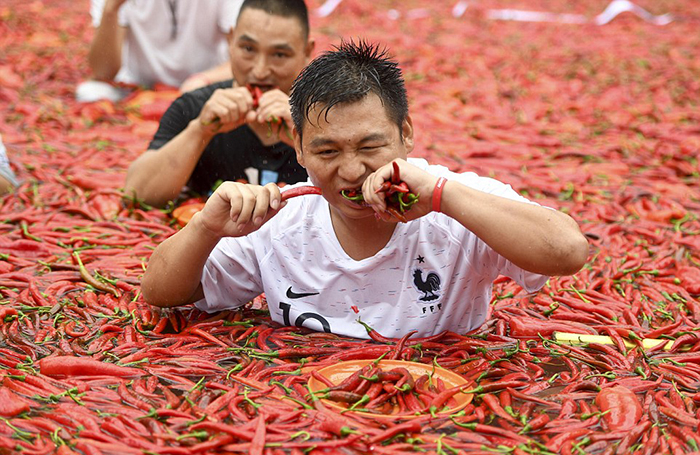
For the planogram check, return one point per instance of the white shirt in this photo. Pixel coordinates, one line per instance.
(5, 169)
(433, 274)
(155, 50)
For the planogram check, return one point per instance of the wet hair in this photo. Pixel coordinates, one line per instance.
(346, 74)
(285, 8)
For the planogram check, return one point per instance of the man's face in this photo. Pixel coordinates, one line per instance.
(267, 50)
(341, 149)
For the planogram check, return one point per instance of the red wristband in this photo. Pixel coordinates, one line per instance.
(437, 193)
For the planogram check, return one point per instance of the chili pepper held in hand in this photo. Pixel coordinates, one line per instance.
(300, 191)
(399, 198)
(256, 92)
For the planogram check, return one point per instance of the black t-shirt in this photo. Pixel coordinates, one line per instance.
(228, 155)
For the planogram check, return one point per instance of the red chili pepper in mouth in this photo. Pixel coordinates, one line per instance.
(399, 198)
(353, 195)
(256, 92)
(300, 191)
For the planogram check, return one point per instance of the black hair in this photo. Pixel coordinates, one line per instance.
(347, 74)
(286, 8)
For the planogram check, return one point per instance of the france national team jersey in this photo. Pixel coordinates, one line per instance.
(433, 274)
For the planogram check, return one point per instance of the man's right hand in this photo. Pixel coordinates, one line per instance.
(225, 110)
(237, 209)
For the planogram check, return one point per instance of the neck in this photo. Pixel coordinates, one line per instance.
(361, 238)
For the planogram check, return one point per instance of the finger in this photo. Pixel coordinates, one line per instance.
(237, 93)
(369, 188)
(275, 112)
(230, 104)
(247, 207)
(235, 199)
(275, 195)
(251, 116)
(262, 204)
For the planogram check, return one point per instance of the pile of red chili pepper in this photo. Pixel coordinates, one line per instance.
(399, 197)
(603, 126)
(392, 392)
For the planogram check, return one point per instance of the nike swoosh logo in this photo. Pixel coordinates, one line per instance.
(294, 295)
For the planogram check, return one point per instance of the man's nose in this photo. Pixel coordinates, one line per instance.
(261, 70)
(352, 169)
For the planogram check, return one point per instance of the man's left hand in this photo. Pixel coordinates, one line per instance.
(273, 117)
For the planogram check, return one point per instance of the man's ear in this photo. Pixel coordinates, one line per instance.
(310, 46)
(407, 134)
(297, 147)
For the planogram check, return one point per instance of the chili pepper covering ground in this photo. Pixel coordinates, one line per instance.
(603, 125)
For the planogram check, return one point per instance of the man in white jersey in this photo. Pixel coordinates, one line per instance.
(324, 262)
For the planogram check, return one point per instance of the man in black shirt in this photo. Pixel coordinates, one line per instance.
(232, 130)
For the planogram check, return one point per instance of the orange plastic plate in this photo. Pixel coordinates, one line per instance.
(336, 373)
(184, 213)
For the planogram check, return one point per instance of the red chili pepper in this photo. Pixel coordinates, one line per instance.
(396, 175)
(680, 416)
(522, 326)
(257, 445)
(81, 366)
(413, 426)
(335, 426)
(493, 403)
(321, 378)
(622, 405)
(11, 404)
(342, 396)
(6, 313)
(300, 191)
(537, 422)
(384, 187)
(256, 92)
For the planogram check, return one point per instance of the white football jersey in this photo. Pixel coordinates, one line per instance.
(433, 274)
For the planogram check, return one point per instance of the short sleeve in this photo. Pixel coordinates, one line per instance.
(96, 8)
(5, 169)
(484, 259)
(529, 281)
(231, 276)
(173, 122)
(229, 14)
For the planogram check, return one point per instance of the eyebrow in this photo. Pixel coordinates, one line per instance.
(281, 46)
(321, 141)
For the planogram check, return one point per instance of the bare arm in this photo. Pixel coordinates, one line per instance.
(216, 74)
(105, 54)
(534, 238)
(5, 185)
(175, 269)
(158, 176)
